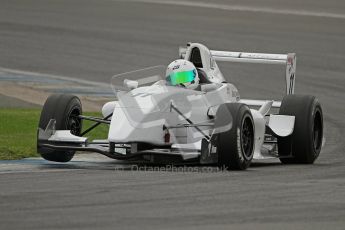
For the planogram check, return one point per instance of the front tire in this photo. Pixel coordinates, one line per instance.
(235, 147)
(64, 109)
(304, 144)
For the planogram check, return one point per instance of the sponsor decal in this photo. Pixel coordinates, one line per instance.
(176, 67)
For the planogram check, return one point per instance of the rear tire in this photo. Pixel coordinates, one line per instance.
(64, 109)
(235, 147)
(304, 144)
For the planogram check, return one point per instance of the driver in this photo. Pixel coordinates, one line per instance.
(182, 73)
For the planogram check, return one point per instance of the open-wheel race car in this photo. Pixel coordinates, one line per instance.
(153, 121)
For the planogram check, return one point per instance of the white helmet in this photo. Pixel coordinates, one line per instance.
(182, 72)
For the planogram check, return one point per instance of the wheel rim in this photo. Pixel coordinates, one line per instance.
(74, 122)
(317, 132)
(247, 138)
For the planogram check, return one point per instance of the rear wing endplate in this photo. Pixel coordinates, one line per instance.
(289, 60)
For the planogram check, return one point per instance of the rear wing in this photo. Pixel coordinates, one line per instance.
(289, 60)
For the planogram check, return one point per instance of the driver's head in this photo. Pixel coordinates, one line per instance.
(182, 73)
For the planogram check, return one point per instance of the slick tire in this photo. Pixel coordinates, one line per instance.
(64, 109)
(235, 146)
(304, 145)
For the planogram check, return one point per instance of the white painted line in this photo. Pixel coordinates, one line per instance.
(63, 78)
(252, 9)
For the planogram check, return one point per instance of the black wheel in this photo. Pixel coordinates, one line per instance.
(235, 146)
(304, 145)
(64, 109)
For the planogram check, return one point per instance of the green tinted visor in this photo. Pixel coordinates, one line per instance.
(181, 77)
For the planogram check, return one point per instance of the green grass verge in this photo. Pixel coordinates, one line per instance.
(18, 130)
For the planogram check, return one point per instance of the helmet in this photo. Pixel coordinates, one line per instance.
(182, 73)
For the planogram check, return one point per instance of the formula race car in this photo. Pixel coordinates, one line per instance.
(152, 121)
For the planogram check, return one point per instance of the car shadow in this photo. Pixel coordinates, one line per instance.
(116, 165)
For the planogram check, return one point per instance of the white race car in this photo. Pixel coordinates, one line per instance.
(156, 122)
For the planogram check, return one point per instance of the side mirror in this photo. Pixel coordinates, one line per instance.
(130, 84)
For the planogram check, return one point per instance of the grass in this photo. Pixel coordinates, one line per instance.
(18, 130)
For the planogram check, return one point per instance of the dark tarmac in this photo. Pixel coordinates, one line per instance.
(93, 40)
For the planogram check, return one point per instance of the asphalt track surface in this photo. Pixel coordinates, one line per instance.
(93, 40)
